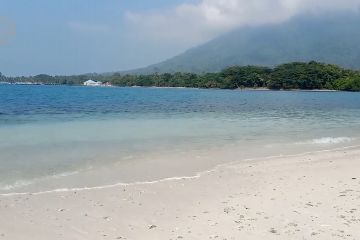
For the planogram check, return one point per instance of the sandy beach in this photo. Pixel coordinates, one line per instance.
(308, 196)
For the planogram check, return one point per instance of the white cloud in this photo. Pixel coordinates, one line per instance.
(190, 24)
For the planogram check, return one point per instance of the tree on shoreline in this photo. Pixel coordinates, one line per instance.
(296, 75)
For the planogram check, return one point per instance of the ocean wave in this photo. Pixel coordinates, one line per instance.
(328, 140)
(25, 183)
(15, 185)
(65, 174)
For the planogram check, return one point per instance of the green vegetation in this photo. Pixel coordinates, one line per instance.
(350, 83)
(297, 75)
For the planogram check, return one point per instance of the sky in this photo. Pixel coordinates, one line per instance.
(84, 36)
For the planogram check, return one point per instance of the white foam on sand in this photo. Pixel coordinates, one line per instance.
(60, 190)
(25, 183)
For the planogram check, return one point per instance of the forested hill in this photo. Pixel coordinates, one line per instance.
(297, 75)
(331, 39)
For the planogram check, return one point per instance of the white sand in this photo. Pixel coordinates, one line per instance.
(312, 196)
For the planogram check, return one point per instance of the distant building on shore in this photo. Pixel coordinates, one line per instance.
(93, 83)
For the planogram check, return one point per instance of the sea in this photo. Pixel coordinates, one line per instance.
(67, 138)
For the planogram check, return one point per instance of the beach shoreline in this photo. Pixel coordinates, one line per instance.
(307, 196)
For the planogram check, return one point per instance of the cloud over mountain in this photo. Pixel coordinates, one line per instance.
(193, 23)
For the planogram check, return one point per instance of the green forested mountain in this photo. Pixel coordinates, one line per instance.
(332, 38)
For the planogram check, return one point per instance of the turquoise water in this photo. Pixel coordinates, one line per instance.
(62, 137)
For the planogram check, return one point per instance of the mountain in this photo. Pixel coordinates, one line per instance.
(331, 38)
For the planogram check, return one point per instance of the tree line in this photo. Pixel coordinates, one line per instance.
(296, 75)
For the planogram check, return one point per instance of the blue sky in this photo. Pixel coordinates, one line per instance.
(82, 36)
(77, 36)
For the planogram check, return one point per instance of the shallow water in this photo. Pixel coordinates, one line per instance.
(61, 137)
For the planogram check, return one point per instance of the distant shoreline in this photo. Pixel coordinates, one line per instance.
(288, 90)
(155, 87)
(305, 76)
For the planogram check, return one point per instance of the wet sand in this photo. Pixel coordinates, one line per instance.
(309, 196)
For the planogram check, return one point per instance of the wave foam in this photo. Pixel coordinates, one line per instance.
(25, 183)
(328, 140)
(17, 184)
